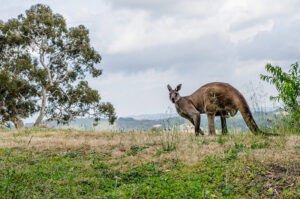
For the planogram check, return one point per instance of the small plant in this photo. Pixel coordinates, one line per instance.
(239, 147)
(154, 130)
(233, 153)
(288, 87)
(221, 140)
(71, 155)
(260, 145)
(171, 124)
(135, 149)
(169, 140)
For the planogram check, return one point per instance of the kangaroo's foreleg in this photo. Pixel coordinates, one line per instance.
(224, 125)
(196, 121)
(211, 123)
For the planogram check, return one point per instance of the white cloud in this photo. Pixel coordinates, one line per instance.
(249, 33)
(245, 69)
(138, 29)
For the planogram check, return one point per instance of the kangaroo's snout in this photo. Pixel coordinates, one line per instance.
(173, 96)
(173, 99)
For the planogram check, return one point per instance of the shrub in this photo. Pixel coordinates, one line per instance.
(288, 87)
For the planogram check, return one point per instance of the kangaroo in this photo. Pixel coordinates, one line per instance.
(214, 99)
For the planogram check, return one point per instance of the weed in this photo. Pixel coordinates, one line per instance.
(71, 154)
(239, 147)
(169, 140)
(233, 152)
(221, 140)
(204, 141)
(168, 146)
(135, 149)
(260, 145)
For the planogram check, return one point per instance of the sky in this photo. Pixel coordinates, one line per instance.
(148, 44)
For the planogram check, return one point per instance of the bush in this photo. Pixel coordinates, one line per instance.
(288, 87)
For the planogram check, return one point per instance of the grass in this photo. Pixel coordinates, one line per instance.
(75, 164)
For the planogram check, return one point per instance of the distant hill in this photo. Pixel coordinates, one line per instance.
(160, 121)
(158, 116)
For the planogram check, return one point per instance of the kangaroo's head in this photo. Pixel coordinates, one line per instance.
(174, 94)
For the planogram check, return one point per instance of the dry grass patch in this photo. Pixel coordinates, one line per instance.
(142, 146)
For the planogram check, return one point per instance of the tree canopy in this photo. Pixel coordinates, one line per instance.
(17, 94)
(52, 61)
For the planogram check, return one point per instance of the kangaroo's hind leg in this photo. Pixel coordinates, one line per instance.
(224, 125)
(211, 123)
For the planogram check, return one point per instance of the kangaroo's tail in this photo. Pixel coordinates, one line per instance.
(247, 115)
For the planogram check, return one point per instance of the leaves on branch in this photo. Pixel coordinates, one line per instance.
(288, 87)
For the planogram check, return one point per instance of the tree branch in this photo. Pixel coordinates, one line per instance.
(64, 77)
(42, 60)
(58, 118)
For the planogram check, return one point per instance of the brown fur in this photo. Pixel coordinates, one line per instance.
(214, 99)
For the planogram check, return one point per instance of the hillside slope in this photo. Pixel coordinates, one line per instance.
(143, 164)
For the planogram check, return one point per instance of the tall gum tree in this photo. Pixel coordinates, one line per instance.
(17, 95)
(64, 57)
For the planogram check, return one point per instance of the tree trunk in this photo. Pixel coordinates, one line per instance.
(42, 111)
(19, 124)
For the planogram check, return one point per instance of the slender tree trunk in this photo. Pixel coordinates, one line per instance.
(42, 111)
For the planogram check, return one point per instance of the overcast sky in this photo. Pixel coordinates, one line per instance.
(146, 44)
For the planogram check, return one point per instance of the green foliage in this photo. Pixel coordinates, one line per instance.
(16, 99)
(80, 174)
(17, 95)
(65, 58)
(288, 87)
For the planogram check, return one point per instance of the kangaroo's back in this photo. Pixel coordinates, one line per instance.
(223, 93)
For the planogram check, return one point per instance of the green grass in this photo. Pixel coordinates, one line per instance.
(82, 172)
(27, 174)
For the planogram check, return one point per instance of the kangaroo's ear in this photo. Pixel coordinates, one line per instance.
(178, 87)
(169, 87)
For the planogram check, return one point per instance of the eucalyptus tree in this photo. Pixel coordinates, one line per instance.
(17, 95)
(64, 57)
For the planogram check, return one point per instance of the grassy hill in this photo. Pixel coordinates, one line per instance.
(161, 121)
(145, 164)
